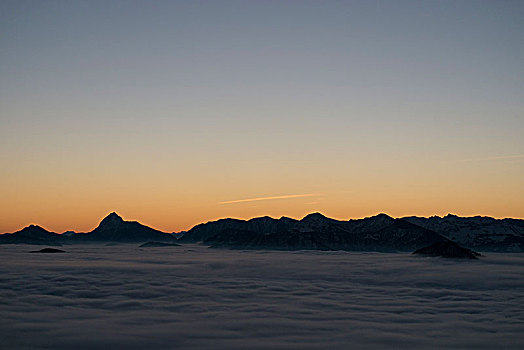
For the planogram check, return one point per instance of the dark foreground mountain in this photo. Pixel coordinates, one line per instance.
(447, 249)
(377, 233)
(478, 232)
(315, 231)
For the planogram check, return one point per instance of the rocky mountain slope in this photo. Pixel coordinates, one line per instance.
(478, 232)
(315, 231)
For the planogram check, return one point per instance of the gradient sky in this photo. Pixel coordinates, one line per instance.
(178, 112)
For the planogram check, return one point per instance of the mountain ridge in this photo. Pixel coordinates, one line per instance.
(314, 231)
(380, 232)
(112, 228)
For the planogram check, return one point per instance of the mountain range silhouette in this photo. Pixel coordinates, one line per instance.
(315, 231)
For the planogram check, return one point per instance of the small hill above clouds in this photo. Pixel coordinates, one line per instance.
(48, 251)
(158, 245)
(447, 249)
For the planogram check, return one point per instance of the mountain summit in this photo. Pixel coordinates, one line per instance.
(115, 229)
(315, 217)
(112, 220)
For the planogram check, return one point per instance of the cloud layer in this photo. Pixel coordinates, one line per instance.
(191, 297)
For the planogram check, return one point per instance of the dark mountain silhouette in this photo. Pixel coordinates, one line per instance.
(114, 229)
(315, 231)
(32, 234)
(265, 224)
(111, 229)
(447, 249)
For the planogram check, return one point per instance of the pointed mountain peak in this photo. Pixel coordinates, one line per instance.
(111, 218)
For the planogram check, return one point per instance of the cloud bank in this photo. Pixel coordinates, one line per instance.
(191, 297)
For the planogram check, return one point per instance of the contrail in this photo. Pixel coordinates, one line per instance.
(273, 197)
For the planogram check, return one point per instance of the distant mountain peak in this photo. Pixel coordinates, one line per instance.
(262, 218)
(33, 227)
(380, 218)
(115, 229)
(112, 217)
(383, 216)
(314, 217)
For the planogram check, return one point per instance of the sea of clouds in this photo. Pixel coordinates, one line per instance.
(191, 297)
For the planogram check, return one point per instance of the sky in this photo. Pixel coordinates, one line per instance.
(180, 112)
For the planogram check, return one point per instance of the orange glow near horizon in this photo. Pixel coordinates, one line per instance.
(160, 215)
(76, 196)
